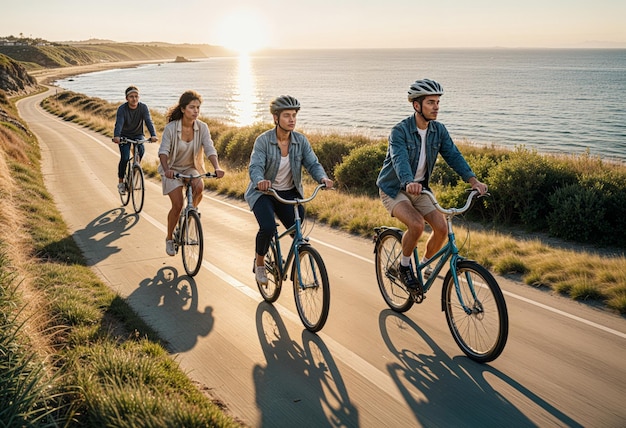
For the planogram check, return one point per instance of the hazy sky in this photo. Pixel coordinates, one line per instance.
(325, 23)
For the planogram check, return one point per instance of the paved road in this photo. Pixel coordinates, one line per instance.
(564, 364)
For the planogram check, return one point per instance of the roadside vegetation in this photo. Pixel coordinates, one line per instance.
(535, 198)
(72, 352)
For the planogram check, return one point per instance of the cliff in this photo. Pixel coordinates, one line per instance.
(14, 79)
(54, 56)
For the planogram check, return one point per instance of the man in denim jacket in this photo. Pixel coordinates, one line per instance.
(414, 144)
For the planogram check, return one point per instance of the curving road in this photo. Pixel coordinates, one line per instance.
(564, 364)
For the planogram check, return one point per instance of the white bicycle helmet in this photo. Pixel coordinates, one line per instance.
(421, 88)
(284, 102)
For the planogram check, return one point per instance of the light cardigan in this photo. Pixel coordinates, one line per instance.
(201, 140)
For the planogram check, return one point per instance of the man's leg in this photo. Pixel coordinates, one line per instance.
(439, 235)
(407, 214)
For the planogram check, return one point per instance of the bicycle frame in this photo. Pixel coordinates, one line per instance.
(449, 252)
(297, 241)
(186, 179)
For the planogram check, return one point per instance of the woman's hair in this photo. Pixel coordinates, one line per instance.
(176, 112)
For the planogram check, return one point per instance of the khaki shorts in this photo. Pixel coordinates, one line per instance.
(421, 203)
(170, 184)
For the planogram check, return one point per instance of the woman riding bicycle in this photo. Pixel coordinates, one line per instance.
(414, 145)
(276, 161)
(185, 139)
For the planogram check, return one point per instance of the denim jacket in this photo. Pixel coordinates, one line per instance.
(403, 154)
(265, 160)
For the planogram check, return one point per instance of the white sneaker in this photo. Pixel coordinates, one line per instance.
(427, 272)
(260, 274)
(121, 187)
(169, 247)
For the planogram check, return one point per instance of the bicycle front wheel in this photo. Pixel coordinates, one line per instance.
(310, 288)
(480, 323)
(125, 197)
(192, 243)
(387, 259)
(138, 190)
(271, 290)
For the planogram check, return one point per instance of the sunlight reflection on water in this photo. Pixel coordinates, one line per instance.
(242, 105)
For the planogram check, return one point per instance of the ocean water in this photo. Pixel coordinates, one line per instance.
(555, 101)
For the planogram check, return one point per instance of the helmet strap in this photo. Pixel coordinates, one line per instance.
(420, 110)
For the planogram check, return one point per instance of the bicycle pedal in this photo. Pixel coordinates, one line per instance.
(417, 294)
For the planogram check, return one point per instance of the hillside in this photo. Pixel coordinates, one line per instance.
(34, 57)
(14, 79)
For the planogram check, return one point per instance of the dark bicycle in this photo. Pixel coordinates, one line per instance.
(133, 178)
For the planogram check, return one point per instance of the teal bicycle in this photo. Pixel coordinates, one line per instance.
(311, 288)
(471, 297)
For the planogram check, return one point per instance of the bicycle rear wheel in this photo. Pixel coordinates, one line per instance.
(192, 243)
(311, 288)
(271, 290)
(138, 190)
(387, 259)
(125, 198)
(482, 333)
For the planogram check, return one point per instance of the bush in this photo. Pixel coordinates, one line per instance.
(239, 148)
(331, 150)
(521, 185)
(577, 213)
(359, 170)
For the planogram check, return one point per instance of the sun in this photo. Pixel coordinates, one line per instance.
(242, 31)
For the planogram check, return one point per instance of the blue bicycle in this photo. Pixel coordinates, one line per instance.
(471, 298)
(311, 288)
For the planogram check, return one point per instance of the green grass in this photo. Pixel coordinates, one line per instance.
(72, 352)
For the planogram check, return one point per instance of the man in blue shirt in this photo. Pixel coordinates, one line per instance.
(414, 145)
(129, 123)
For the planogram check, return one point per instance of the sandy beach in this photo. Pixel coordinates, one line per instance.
(48, 75)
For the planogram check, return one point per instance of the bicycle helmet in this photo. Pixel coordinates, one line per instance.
(421, 88)
(284, 102)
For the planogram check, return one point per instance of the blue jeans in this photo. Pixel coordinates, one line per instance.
(266, 209)
(125, 156)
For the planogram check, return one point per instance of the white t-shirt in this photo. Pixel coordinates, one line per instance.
(284, 178)
(420, 173)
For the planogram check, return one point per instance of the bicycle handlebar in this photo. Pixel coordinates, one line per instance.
(124, 140)
(451, 211)
(296, 201)
(206, 175)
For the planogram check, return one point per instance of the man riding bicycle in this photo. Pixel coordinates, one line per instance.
(129, 122)
(414, 144)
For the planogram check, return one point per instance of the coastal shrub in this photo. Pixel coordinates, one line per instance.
(591, 210)
(221, 142)
(359, 170)
(239, 148)
(331, 150)
(521, 185)
(577, 213)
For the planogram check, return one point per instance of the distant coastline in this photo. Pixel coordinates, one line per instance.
(46, 76)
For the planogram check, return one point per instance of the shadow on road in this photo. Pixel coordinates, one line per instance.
(300, 385)
(98, 237)
(169, 303)
(444, 391)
